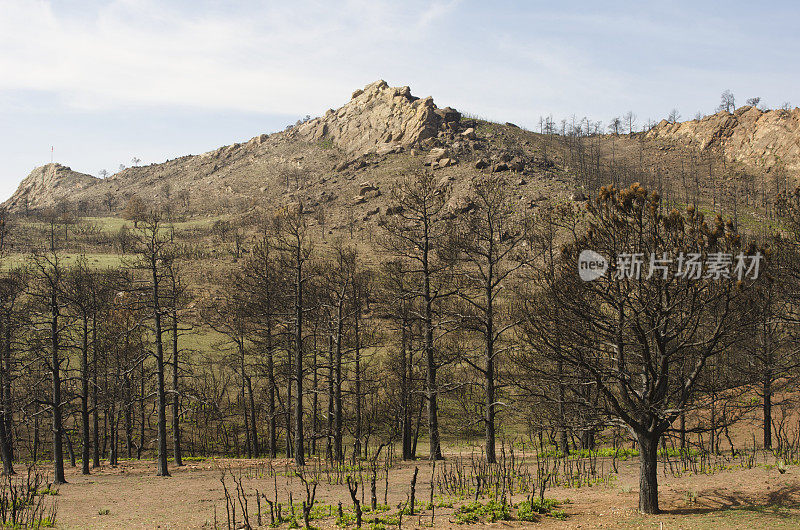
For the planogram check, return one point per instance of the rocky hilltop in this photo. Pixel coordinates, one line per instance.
(380, 116)
(342, 164)
(761, 139)
(45, 186)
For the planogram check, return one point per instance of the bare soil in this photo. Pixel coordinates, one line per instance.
(130, 496)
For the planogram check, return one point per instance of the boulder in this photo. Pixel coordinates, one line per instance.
(516, 164)
(469, 133)
(366, 187)
(448, 114)
(445, 181)
(388, 149)
(377, 115)
(394, 210)
(437, 153)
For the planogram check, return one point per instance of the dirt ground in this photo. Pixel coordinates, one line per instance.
(130, 496)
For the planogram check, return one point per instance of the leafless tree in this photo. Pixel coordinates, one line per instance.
(727, 102)
(421, 234)
(643, 357)
(489, 236)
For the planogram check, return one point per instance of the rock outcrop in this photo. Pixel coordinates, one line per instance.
(377, 117)
(46, 185)
(764, 139)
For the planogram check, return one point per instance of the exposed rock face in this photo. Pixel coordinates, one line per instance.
(47, 185)
(749, 135)
(379, 115)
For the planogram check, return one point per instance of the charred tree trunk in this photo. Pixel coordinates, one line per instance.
(162, 466)
(489, 407)
(648, 473)
(95, 402)
(299, 449)
(767, 392)
(273, 449)
(85, 398)
(5, 429)
(55, 367)
(337, 438)
(176, 400)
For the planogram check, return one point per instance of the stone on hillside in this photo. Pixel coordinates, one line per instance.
(481, 164)
(437, 153)
(394, 210)
(377, 115)
(516, 164)
(366, 187)
(469, 133)
(388, 149)
(448, 114)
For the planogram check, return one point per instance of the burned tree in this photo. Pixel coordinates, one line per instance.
(421, 234)
(490, 233)
(644, 337)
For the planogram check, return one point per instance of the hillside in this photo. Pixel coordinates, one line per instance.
(343, 162)
(47, 185)
(342, 166)
(759, 139)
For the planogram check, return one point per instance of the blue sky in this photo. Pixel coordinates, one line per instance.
(104, 82)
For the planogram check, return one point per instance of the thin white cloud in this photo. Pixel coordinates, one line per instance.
(139, 52)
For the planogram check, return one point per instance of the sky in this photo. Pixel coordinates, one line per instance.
(105, 82)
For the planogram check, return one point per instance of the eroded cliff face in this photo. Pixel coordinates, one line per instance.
(379, 115)
(761, 139)
(46, 185)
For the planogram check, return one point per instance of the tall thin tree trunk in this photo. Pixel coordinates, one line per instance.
(315, 401)
(162, 467)
(767, 391)
(299, 451)
(489, 407)
(6, 433)
(176, 400)
(329, 444)
(95, 403)
(248, 440)
(58, 449)
(288, 407)
(142, 412)
(85, 398)
(273, 426)
(357, 338)
(405, 390)
(337, 438)
(253, 424)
